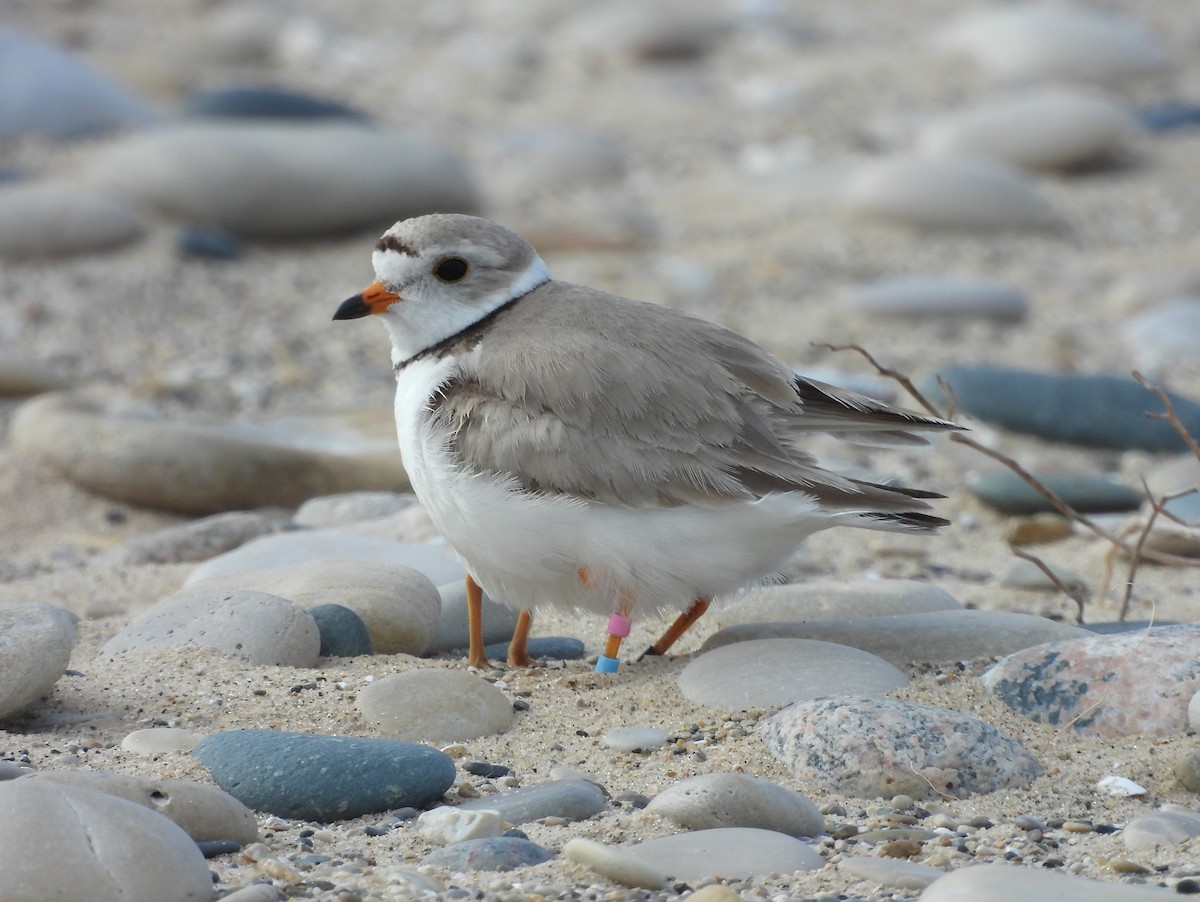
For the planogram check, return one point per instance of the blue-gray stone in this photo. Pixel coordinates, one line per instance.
(1185, 508)
(266, 103)
(343, 633)
(1010, 494)
(208, 244)
(573, 799)
(1169, 116)
(1095, 410)
(489, 853)
(1113, 627)
(483, 769)
(324, 778)
(562, 648)
(211, 848)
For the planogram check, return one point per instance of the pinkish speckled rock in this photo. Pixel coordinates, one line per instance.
(881, 747)
(1106, 685)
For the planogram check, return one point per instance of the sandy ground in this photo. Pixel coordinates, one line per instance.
(253, 338)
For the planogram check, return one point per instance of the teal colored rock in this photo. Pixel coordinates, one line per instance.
(1096, 410)
(1010, 494)
(562, 648)
(343, 633)
(324, 778)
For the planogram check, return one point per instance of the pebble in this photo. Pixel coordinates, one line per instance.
(350, 507)
(1187, 770)
(56, 219)
(160, 741)
(265, 103)
(575, 800)
(262, 628)
(399, 605)
(936, 637)
(635, 739)
(207, 244)
(1031, 43)
(253, 179)
(1023, 574)
(540, 648)
(1094, 410)
(255, 892)
(446, 825)
(1164, 337)
(1193, 712)
(714, 892)
(890, 872)
(21, 376)
(1042, 129)
(836, 600)
(729, 853)
(1099, 685)
(199, 540)
(1038, 529)
(324, 778)
(1004, 883)
(483, 769)
(204, 812)
(499, 620)
(51, 93)
(947, 193)
(615, 863)
(1169, 827)
(186, 467)
(762, 673)
(1009, 493)
(435, 705)
(1169, 116)
(491, 853)
(1120, 787)
(36, 641)
(726, 799)
(65, 842)
(343, 633)
(879, 747)
(937, 298)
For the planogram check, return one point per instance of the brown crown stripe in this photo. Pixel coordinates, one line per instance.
(392, 243)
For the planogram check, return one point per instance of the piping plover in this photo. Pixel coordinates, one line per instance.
(584, 450)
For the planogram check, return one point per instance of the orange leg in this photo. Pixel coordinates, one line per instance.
(681, 625)
(517, 654)
(476, 656)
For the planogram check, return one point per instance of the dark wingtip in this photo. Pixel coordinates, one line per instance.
(352, 308)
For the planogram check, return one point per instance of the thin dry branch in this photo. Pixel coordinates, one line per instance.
(1171, 415)
(1079, 596)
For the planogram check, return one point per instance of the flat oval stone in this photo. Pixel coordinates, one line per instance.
(1094, 410)
(160, 741)
(446, 825)
(1167, 828)
(573, 799)
(399, 606)
(20, 376)
(737, 800)
(730, 853)
(253, 178)
(881, 747)
(36, 641)
(615, 863)
(265, 103)
(893, 872)
(762, 673)
(67, 842)
(499, 621)
(350, 507)
(343, 633)
(435, 705)
(1010, 494)
(200, 539)
(492, 853)
(1048, 128)
(262, 628)
(1004, 883)
(947, 193)
(204, 812)
(324, 778)
(1098, 686)
(55, 219)
(836, 600)
(635, 739)
(934, 637)
(554, 648)
(942, 299)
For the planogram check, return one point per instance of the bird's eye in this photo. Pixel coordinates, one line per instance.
(452, 269)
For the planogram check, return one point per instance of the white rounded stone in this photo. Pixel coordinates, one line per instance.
(160, 741)
(446, 825)
(635, 739)
(435, 705)
(731, 853)
(918, 298)
(35, 647)
(1004, 883)
(53, 219)
(616, 864)
(737, 800)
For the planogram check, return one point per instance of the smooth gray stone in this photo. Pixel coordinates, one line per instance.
(36, 641)
(203, 811)
(324, 778)
(901, 639)
(1010, 494)
(835, 600)
(576, 800)
(941, 299)
(731, 853)
(1167, 828)
(499, 620)
(727, 799)
(557, 648)
(1005, 883)
(199, 540)
(265, 103)
(890, 872)
(882, 747)
(765, 672)
(435, 705)
(66, 842)
(56, 219)
(352, 507)
(488, 853)
(1095, 410)
(343, 633)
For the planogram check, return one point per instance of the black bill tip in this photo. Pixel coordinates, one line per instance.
(352, 308)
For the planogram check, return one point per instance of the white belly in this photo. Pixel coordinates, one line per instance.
(527, 550)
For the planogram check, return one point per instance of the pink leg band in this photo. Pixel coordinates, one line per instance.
(618, 625)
